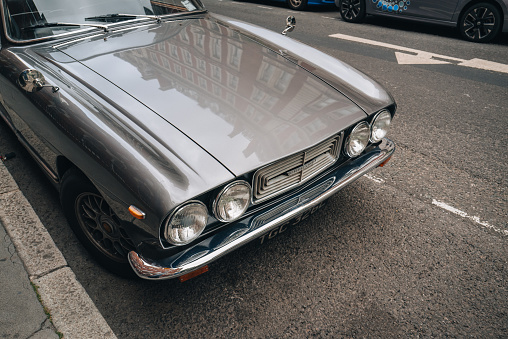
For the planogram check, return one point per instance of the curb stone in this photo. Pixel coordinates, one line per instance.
(72, 311)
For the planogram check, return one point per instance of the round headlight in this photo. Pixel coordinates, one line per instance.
(380, 126)
(232, 201)
(186, 223)
(358, 139)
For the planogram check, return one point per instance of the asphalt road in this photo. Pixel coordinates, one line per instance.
(419, 247)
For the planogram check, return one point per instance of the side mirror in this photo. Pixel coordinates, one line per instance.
(32, 81)
(290, 25)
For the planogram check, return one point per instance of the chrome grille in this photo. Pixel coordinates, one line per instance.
(289, 205)
(294, 170)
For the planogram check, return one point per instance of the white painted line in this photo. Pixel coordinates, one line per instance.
(386, 45)
(416, 56)
(375, 179)
(419, 59)
(265, 7)
(73, 312)
(449, 208)
(463, 214)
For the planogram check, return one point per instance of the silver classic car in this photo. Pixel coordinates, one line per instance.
(175, 136)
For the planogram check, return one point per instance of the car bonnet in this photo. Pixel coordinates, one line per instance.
(241, 101)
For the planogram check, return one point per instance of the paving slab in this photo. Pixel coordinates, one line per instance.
(21, 313)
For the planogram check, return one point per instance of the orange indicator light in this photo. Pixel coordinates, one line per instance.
(384, 162)
(137, 213)
(193, 274)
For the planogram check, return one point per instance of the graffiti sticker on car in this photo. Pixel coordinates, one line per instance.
(392, 6)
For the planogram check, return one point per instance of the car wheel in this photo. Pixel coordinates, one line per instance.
(352, 10)
(480, 22)
(297, 5)
(95, 224)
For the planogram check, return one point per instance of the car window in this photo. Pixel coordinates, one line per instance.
(35, 19)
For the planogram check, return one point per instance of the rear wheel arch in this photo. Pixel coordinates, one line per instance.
(474, 2)
(63, 165)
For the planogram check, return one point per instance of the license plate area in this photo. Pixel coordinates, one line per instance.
(288, 224)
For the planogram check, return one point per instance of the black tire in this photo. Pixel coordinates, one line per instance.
(352, 10)
(95, 224)
(297, 5)
(480, 23)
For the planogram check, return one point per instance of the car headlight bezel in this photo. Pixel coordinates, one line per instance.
(173, 228)
(353, 137)
(379, 123)
(219, 204)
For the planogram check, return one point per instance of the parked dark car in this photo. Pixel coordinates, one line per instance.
(300, 5)
(478, 21)
(174, 135)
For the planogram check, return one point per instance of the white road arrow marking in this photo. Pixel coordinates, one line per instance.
(485, 64)
(417, 57)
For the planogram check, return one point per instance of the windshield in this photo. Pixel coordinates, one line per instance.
(36, 19)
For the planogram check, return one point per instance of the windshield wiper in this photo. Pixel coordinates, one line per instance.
(120, 17)
(68, 24)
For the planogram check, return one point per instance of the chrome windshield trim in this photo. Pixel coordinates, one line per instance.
(247, 230)
(90, 28)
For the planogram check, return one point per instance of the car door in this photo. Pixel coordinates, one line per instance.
(418, 9)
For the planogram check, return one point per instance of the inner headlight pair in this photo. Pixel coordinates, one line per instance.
(363, 133)
(189, 221)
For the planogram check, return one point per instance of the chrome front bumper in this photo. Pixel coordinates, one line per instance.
(260, 223)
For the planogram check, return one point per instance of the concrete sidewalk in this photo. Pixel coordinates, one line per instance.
(29, 257)
(21, 313)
